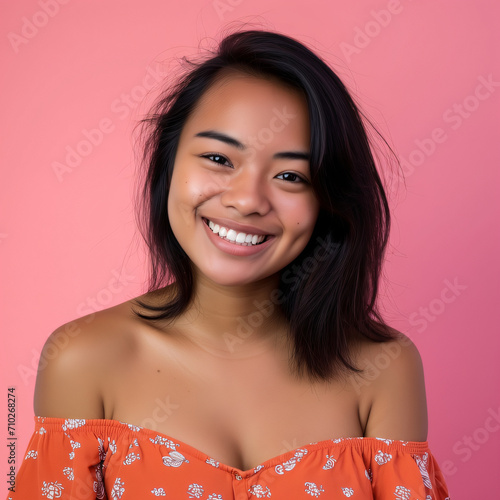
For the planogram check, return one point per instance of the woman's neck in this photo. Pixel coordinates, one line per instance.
(235, 319)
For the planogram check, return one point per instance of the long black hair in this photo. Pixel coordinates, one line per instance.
(328, 293)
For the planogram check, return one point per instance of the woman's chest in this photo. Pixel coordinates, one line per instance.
(239, 412)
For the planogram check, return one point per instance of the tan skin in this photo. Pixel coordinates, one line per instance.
(238, 402)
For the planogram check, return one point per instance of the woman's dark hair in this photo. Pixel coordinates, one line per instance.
(328, 293)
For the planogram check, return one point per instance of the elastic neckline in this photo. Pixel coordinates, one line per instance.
(358, 442)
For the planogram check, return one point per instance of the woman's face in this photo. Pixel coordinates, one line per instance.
(242, 168)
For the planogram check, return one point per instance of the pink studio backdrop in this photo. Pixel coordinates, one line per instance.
(426, 73)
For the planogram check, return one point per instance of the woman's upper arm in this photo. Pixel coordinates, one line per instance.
(398, 400)
(67, 383)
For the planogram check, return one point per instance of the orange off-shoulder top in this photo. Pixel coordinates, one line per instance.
(77, 459)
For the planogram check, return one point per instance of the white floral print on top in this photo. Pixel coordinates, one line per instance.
(175, 459)
(313, 489)
(195, 490)
(330, 463)
(52, 490)
(158, 492)
(69, 473)
(290, 464)
(422, 465)
(73, 423)
(125, 462)
(382, 458)
(118, 489)
(164, 442)
(402, 493)
(260, 491)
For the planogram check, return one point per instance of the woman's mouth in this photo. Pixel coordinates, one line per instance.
(236, 237)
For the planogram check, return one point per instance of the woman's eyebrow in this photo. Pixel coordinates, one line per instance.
(219, 136)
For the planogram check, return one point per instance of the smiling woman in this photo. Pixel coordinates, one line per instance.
(260, 193)
(244, 371)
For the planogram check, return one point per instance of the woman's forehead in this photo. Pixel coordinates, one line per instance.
(232, 80)
(252, 105)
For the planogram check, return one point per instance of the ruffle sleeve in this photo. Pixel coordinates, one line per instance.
(404, 471)
(61, 465)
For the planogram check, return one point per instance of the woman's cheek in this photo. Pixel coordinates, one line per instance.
(207, 185)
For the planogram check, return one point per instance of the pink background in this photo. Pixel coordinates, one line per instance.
(418, 71)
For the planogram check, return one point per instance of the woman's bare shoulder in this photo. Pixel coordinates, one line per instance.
(391, 389)
(78, 356)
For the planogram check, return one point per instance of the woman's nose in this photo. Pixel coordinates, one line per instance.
(247, 193)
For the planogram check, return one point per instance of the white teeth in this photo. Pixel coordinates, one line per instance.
(233, 236)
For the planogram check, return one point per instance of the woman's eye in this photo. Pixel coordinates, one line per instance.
(286, 176)
(291, 177)
(221, 160)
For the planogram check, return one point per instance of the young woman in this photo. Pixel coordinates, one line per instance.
(257, 365)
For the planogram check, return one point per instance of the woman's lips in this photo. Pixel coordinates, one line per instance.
(235, 248)
(234, 236)
(236, 226)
